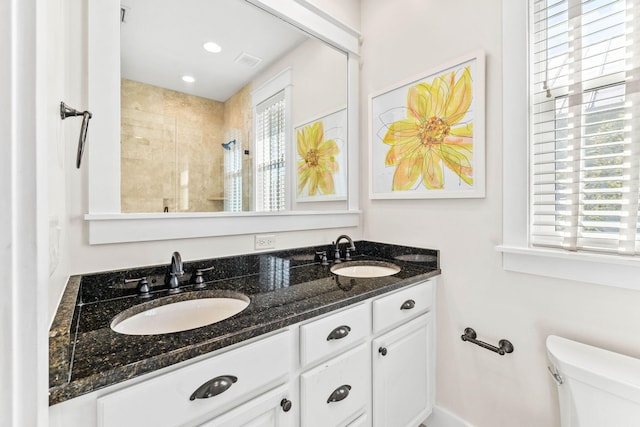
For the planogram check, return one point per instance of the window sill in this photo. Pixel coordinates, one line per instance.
(608, 270)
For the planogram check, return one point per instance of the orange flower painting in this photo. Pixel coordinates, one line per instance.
(317, 162)
(435, 134)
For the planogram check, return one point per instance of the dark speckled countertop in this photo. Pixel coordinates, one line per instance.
(284, 287)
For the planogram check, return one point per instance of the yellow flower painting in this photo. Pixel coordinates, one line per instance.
(317, 162)
(433, 135)
(428, 134)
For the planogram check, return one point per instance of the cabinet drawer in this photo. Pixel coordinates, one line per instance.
(346, 378)
(401, 306)
(361, 421)
(264, 411)
(333, 333)
(166, 399)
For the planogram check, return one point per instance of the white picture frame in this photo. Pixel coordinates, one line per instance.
(334, 128)
(427, 136)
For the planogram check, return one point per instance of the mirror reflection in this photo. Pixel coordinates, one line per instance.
(203, 126)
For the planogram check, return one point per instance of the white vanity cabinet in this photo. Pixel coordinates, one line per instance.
(398, 370)
(369, 364)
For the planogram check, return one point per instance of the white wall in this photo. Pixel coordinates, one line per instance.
(401, 39)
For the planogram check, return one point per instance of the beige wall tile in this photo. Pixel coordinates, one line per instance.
(167, 136)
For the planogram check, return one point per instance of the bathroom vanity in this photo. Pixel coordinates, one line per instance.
(312, 348)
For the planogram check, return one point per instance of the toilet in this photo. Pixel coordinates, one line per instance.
(596, 387)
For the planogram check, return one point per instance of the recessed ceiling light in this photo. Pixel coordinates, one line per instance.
(188, 79)
(212, 47)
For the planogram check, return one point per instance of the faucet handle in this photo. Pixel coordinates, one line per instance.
(347, 254)
(336, 255)
(144, 291)
(323, 257)
(198, 279)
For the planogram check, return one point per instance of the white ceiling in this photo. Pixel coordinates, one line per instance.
(161, 40)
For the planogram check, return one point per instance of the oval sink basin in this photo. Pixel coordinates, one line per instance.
(365, 269)
(177, 316)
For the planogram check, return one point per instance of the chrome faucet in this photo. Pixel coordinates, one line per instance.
(175, 273)
(347, 253)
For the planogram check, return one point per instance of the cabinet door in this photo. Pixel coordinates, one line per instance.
(403, 374)
(272, 409)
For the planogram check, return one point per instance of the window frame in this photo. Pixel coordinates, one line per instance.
(517, 254)
(280, 95)
(571, 231)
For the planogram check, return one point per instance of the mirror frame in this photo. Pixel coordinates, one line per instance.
(107, 224)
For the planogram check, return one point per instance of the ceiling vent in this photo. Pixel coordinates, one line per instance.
(247, 60)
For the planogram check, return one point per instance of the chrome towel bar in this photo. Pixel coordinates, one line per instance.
(505, 346)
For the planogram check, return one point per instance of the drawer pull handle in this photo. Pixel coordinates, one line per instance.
(382, 351)
(408, 305)
(214, 387)
(286, 405)
(339, 394)
(339, 333)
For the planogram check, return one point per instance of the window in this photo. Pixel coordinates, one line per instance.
(270, 153)
(584, 140)
(233, 172)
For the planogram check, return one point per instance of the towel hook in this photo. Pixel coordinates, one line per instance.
(66, 111)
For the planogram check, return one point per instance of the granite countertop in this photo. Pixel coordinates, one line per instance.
(284, 287)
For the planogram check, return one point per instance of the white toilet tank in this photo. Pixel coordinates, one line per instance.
(596, 387)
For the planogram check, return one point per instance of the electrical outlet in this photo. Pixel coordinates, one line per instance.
(265, 241)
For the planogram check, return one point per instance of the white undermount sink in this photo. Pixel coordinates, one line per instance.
(177, 316)
(365, 269)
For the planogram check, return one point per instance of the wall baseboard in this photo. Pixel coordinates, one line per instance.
(441, 417)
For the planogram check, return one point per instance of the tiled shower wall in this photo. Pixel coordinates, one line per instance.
(171, 153)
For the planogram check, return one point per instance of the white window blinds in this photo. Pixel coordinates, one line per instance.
(270, 154)
(233, 172)
(585, 98)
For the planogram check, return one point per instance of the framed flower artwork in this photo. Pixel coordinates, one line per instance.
(321, 152)
(427, 134)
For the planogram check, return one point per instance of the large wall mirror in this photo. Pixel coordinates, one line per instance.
(228, 115)
(194, 138)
